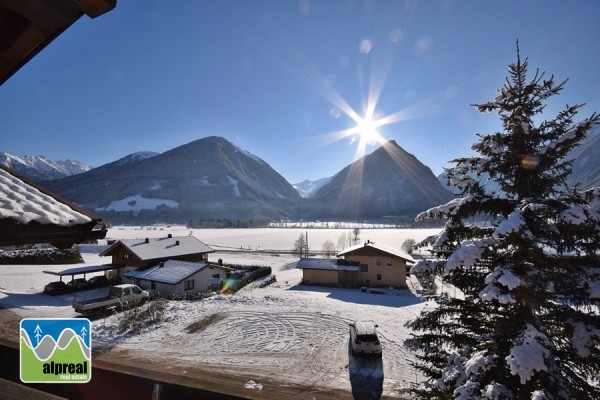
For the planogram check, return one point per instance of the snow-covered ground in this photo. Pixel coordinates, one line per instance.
(284, 332)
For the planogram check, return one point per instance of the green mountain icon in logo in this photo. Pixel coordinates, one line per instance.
(46, 360)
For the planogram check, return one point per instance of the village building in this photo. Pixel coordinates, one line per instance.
(179, 277)
(369, 264)
(144, 254)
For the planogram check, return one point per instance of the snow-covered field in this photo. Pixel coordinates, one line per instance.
(284, 332)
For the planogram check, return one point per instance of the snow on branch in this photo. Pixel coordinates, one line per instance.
(512, 224)
(528, 356)
(579, 214)
(468, 254)
(425, 266)
(450, 208)
(492, 291)
(570, 135)
(584, 338)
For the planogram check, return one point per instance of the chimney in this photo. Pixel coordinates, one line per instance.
(147, 240)
(177, 243)
(170, 235)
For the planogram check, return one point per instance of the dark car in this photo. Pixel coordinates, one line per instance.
(57, 287)
(78, 284)
(98, 281)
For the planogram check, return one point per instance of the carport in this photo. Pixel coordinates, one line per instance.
(83, 270)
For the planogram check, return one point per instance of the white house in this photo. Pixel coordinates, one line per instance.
(179, 277)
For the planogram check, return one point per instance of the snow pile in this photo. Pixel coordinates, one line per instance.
(253, 385)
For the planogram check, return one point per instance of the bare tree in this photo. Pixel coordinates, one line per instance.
(342, 241)
(355, 235)
(408, 245)
(328, 248)
(301, 246)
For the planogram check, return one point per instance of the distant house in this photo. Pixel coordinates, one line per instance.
(329, 272)
(179, 277)
(132, 254)
(370, 264)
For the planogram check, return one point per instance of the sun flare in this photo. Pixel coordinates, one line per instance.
(367, 129)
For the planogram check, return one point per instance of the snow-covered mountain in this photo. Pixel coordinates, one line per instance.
(39, 168)
(586, 164)
(209, 178)
(388, 183)
(308, 188)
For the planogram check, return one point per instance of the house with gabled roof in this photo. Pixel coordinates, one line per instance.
(132, 254)
(369, 264)
(179, 277)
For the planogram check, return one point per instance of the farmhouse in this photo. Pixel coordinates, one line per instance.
(132, 254)
(179, 277)
(370, 264)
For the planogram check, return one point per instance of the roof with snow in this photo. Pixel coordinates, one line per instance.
(378, 247)
(31, 214)
(170, 271)
(331, 264)
(84, 270)
(164, 247)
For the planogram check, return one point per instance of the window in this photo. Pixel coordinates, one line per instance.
(378, 277)
(216, 276)
(389, 262)
(188, 285)
(152, 285)
(364, 267)
(378, 261)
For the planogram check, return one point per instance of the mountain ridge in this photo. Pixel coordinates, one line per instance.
(39, 168)
(211, 178)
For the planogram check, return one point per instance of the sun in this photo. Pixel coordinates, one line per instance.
(366, 128)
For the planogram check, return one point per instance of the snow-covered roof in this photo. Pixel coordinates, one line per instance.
(83, 270)
(164, 247)
(25, 203)
(377, 246)
(333, 264)
(170, 271)
(29, 214)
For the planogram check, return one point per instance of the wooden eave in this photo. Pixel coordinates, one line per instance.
(28, 26)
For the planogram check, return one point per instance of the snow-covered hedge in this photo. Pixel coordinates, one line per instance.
(41, 256)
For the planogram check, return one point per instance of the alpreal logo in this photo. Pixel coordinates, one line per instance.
(56, 350)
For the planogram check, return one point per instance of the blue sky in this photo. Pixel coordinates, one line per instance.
(278, 78)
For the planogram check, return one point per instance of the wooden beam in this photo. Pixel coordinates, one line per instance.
(52, 15)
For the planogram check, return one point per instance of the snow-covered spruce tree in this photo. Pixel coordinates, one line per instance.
(523, 322)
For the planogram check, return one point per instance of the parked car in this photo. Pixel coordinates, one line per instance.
(118, 297)
(98, 281)
(78, 284)
(364, 338)
(57, 287)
